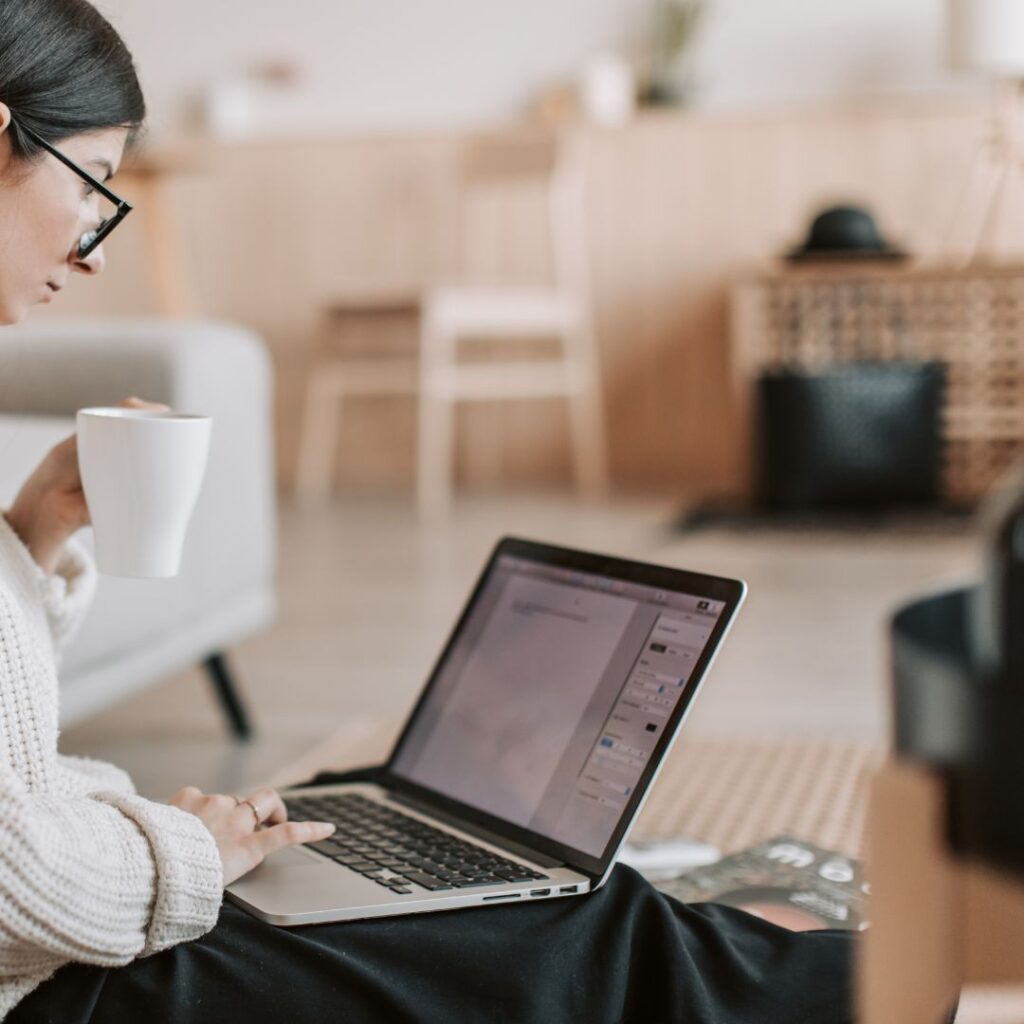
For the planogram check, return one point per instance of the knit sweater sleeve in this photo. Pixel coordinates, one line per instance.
(84, 776)
(99, 880)
(65, 594)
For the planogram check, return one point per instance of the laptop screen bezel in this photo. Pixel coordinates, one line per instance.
(717, 588)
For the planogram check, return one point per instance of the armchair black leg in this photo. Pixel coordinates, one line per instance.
(227, 694)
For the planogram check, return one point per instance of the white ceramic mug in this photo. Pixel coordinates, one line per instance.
(141, 472)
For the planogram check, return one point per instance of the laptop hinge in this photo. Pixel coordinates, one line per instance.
(543, 859)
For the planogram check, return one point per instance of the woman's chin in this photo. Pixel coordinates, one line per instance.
(12, 315)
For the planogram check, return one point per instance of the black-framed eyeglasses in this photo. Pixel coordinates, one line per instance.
(91, 239)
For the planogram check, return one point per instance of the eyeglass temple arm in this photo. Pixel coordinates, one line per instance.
(80, 171)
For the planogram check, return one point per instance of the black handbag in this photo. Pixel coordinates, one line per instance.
(854, 435)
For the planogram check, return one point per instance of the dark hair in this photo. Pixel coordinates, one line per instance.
(64, 71)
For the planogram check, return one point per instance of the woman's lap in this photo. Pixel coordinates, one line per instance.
(625, 953)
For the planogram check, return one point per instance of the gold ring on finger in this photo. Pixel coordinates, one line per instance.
(255, 812)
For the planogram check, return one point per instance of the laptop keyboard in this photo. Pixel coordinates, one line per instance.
(399, 852)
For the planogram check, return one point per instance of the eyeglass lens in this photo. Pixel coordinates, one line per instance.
(92, 238)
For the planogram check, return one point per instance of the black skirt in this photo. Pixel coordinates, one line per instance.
(626, 953)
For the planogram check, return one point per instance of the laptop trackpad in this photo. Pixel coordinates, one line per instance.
(292, 857)
(297, 881)
(288, 871)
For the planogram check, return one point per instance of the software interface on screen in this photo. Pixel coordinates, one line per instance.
(551, 703)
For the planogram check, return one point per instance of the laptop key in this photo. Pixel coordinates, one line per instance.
(325, 846)
(518, 876)
(428, 881)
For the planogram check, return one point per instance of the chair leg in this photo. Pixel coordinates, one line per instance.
(434, 469)
(320, 424)
(227, 695)
(588, 444)
(436, 413)
(586, 423)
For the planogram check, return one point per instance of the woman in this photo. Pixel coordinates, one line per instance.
(110, 904)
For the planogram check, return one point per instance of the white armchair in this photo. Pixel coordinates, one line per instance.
(141, 631)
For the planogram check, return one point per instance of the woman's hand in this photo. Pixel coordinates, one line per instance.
(236, 826)
(51, 507)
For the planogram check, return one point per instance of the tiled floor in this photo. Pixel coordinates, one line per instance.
(367, 598)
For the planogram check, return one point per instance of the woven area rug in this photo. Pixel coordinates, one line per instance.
(730, 792)
(735, 792)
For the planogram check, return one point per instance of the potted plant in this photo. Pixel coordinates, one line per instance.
(674, 25)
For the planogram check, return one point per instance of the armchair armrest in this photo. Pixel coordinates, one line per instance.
(56, 368)
(52, 369)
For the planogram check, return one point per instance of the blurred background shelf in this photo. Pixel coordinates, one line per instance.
(680, 205)
(968, 319)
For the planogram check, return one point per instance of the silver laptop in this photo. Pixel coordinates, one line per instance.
(529, 753)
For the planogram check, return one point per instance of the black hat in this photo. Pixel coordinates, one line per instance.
(845, 233)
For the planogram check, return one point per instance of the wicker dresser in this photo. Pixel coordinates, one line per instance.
(970, 320)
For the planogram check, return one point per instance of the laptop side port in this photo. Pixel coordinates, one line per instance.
(569, 888)
(540, 892)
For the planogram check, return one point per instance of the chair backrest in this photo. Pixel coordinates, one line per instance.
(521, 215)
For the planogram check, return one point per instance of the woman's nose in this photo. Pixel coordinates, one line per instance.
(92, 264)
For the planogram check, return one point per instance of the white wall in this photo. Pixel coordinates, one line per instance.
(382, 64)
(754, 52)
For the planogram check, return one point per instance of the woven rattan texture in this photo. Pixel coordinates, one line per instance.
(972, 321)
(731, 792)
(734, 793)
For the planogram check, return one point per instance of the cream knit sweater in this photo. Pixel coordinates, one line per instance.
(89, 871)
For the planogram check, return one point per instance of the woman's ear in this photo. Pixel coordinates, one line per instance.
(6, 149)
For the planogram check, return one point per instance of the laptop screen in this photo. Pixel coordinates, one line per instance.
(552, 697)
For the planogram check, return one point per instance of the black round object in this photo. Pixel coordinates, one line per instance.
(845, 232)
(967, 724)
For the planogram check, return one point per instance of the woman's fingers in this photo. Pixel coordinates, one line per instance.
(139, 403)
(272, 810)
(220, 803)
(234, 824)
(241, 856)
(263, 805)
(289, 833)
(187, 798)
